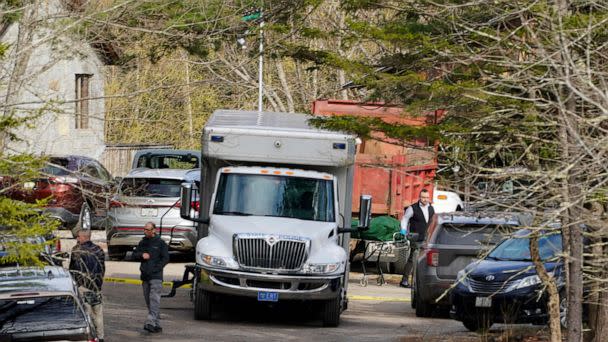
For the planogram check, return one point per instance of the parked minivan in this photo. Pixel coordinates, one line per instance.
(452, 242)
(504, 287)
(151, 195)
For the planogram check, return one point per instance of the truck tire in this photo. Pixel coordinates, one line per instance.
(202, 304)
(331, 313)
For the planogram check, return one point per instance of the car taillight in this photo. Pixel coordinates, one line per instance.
(194, 205)
(432, 257)
(63, 180)
(58, 245)
(117, 204)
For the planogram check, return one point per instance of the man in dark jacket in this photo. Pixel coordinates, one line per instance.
(154, 255)
(87, 266)
(416, 220)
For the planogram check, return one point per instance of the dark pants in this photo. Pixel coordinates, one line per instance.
(411, 263)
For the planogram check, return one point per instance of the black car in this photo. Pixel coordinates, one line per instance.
(452, 242)
(504, 287)
(42, 304)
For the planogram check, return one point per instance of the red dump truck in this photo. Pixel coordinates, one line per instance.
(392, 173)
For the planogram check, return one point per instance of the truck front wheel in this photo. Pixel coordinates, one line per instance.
(331, 313)
(202, 304)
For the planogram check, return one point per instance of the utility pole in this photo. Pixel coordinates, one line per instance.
(261, 63)
(257, 15)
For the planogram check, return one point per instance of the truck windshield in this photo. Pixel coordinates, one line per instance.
(280, 196)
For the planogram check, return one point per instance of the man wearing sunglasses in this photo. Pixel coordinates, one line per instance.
(154, 255)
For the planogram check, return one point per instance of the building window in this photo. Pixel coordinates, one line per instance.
(83, 93)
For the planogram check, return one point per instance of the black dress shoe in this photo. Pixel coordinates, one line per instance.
(405, 284)
(158, 329)
(149, 328)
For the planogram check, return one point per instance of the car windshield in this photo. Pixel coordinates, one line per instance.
(57, 167)
(33, 314)
(150, 187)
(165, 161)
(471, 234)
(518, 248)
(280, 196)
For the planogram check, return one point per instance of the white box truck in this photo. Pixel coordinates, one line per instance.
(275, 212)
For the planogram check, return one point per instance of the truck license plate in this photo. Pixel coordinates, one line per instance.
(264, 296)
(483, 302)
(151, 212)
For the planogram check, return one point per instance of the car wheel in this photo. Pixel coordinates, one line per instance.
(479, 323)
(85, 220)
(331, 313)
(202, 304)
(423, 309)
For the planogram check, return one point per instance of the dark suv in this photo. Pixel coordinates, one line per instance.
(77, 189)
(452, 242)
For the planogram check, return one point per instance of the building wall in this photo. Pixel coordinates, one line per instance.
(49, 89)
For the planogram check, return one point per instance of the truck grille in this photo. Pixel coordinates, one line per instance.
(270, 252)
(489, 287)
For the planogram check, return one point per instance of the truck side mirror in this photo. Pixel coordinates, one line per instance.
(186, 201)
(365, 211)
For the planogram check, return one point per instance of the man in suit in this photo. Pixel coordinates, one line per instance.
(416, 220)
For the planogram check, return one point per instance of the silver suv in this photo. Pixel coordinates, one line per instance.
(452, 242)
(151, 195)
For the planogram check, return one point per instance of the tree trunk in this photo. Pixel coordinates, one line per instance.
(285, 85)
(553, 305)
(571, 194)
(600, 324)
(188, 98)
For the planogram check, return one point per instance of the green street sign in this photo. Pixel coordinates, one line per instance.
(252, 16)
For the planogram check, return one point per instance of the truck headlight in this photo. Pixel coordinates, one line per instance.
(322, 268)
(216, 261)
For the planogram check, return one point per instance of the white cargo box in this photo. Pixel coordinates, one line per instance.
(271, 137)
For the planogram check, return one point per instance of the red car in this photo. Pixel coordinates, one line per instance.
(77, 188)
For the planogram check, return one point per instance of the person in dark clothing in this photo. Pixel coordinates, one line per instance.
(87, 266)
(154, 255)
(416, 220)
